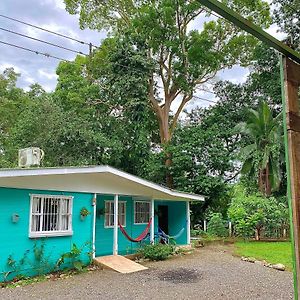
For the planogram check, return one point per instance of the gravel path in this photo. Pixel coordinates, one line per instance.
(209, 273)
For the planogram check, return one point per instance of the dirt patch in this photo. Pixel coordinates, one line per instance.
(181, 275)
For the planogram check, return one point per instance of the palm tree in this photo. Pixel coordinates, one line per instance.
(262, 156)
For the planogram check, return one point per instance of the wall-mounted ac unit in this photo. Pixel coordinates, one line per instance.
(30, 157)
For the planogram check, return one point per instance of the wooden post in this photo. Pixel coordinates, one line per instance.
(290, 76)
(116, 217)
(152, 222)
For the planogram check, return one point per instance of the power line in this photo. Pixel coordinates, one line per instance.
(34, 51)
(200, 98)
(207, 91)
(47, 30)
(42, 41)
(204, 99)
(62, 59)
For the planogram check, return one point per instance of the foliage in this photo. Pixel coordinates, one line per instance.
(249, 214)
(157, 36)
(287, 16)
(272, 252)
(216, 225)
(156, 251)
(37, 261)
(261, 157)
(73, 257)
(84, 212)
(198, 232)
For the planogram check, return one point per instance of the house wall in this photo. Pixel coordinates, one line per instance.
(15, 239)
(177, 219)
(104, 236)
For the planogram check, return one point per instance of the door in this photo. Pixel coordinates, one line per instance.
(163, 218)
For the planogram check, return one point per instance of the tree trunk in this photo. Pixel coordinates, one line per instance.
(261, 181)
(267, 181)
(257, 234)
(165, 138)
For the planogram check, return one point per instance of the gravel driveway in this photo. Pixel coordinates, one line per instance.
(210, 273)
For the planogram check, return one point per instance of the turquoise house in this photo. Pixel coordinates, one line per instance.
(102, 210)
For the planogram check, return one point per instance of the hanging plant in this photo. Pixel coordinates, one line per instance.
(100, 212)
(84, 212)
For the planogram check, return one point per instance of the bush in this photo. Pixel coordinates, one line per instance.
(216, 226)
(198, 232)
(156, 252)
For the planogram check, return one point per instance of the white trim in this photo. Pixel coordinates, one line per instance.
(116, 211)
(35, 234)
(50, 234)
(99, 169)
(141, 201)
(152, 222)
(188, 223)
(94, 203)
(112, 201)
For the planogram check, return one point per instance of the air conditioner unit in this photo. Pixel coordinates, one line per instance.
(30, 157)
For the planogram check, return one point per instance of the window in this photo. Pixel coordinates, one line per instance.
(141, 212)
(50, 215)
(109, 213)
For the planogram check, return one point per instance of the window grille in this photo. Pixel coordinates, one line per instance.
(141, 212)
(50, 215)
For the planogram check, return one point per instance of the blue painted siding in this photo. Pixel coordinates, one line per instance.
(15, 239)
(176, 220)
(104, 236)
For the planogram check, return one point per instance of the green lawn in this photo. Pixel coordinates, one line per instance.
(272, 252)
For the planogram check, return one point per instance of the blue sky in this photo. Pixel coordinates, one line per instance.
(51, 14)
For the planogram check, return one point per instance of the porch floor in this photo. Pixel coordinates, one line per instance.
(119, 263)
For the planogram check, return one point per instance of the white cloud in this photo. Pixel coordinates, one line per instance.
(47, 73)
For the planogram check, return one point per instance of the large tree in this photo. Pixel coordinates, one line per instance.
(182, 59)
(287, 16)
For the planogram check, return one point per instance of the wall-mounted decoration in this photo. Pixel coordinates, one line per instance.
(84, 212)
(15, 218)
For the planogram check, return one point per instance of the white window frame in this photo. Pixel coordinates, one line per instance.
(134, 212)
(35, 234)
(105, 214)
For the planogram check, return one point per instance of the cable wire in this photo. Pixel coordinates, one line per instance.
(34, 51)
(42, 41)
(47, 30)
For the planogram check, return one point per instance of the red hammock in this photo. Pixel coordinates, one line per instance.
(140, 237)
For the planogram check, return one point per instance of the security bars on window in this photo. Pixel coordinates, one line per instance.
(50, 215)
(141, 212)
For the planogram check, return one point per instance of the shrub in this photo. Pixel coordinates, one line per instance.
(156, 252)
(216, 225)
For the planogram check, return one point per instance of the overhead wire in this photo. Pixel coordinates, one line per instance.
(68, 49)
(35, 51)
(42, 41)
(47, 30)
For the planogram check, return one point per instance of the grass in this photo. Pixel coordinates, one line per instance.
(272, 252)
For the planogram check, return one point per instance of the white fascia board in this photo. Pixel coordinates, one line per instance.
(98, 169)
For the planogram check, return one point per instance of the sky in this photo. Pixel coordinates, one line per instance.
(51, 14)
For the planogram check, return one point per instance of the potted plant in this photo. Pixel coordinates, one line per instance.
(100, 212)
(84, 213)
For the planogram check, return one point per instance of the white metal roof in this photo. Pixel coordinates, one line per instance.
(96, 179)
